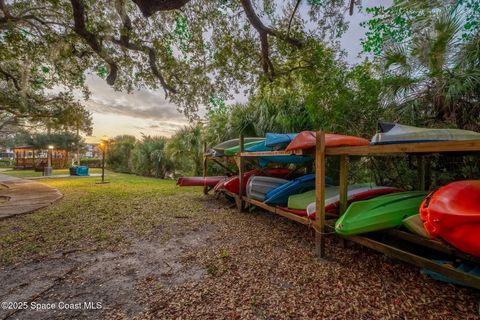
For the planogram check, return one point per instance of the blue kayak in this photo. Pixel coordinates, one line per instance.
(263, 161)
(279, 195)
(466, 267)
(279, 141)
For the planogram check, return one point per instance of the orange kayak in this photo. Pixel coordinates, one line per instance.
(307, 140)
(453, 214)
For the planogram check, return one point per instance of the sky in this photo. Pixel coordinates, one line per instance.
(148, 112)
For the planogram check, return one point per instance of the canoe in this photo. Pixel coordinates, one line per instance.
(453, 214)
(390, 133)
(234, 142)
(278, 141)
(258, 186)
(355, 193)
(235, 149)
(383, 212)
(279, 195)
(414, 224)
(307, 140)
(467, 267)
(199, 181)
(232, 184)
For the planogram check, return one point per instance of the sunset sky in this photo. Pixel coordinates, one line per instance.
(148, 112)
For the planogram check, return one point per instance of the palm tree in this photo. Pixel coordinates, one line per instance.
(438, 75)
(185, 148)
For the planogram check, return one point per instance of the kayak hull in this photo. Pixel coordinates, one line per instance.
(399, 133)
(453, 214)
(307, 140)
(259, 186)
(383, 212)
(414, 224)
(279, 196)
(232, 185)
(199, 181)
(357, 193)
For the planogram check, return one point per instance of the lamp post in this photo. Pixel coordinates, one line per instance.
(103, 146)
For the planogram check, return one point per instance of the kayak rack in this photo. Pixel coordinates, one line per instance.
(319, 224)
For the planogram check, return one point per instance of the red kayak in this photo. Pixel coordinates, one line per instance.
(332, 204)
(307, 140)
(453, 214)
(199, 181)
(232, 184)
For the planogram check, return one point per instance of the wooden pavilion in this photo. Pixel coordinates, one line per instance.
(29, 157)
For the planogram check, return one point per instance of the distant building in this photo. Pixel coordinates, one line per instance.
(6, 154)
(92, 151)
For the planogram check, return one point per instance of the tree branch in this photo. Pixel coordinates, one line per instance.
(124, 41)
(293, 15)
(264, 32)
(149, 7)
(91, 39)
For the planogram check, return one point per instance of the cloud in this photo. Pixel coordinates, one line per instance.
(143, 104)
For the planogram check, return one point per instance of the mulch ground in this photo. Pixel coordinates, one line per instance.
(260, 266)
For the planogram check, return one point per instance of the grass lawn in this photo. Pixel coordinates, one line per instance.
(31, 173)
(94, 216)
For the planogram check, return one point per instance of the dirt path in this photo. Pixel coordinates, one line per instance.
(23, 196)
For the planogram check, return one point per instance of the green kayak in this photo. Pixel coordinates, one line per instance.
(379, 213)
(415, 225)
(302, 200)
(235, 149)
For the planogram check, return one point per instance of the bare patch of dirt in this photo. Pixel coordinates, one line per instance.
(107, 277)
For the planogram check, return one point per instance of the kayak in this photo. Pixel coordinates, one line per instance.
(278, 141)
(307, 140)
(383, 212)
(232, 184)
(279, 195)
(234, 142)
(199, 181)
(294, 159)
(466, 267)
(302, 200)
(415, 225)
(220, 186)
(391, 133)
(453, 214)
(298, 212)
(355, 193)
(258, 186)
(235, 149)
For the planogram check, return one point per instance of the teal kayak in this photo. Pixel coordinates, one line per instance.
(379, 213)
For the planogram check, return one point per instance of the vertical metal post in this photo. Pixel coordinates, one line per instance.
(320, 194)
(103, 163)
(241, 169)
